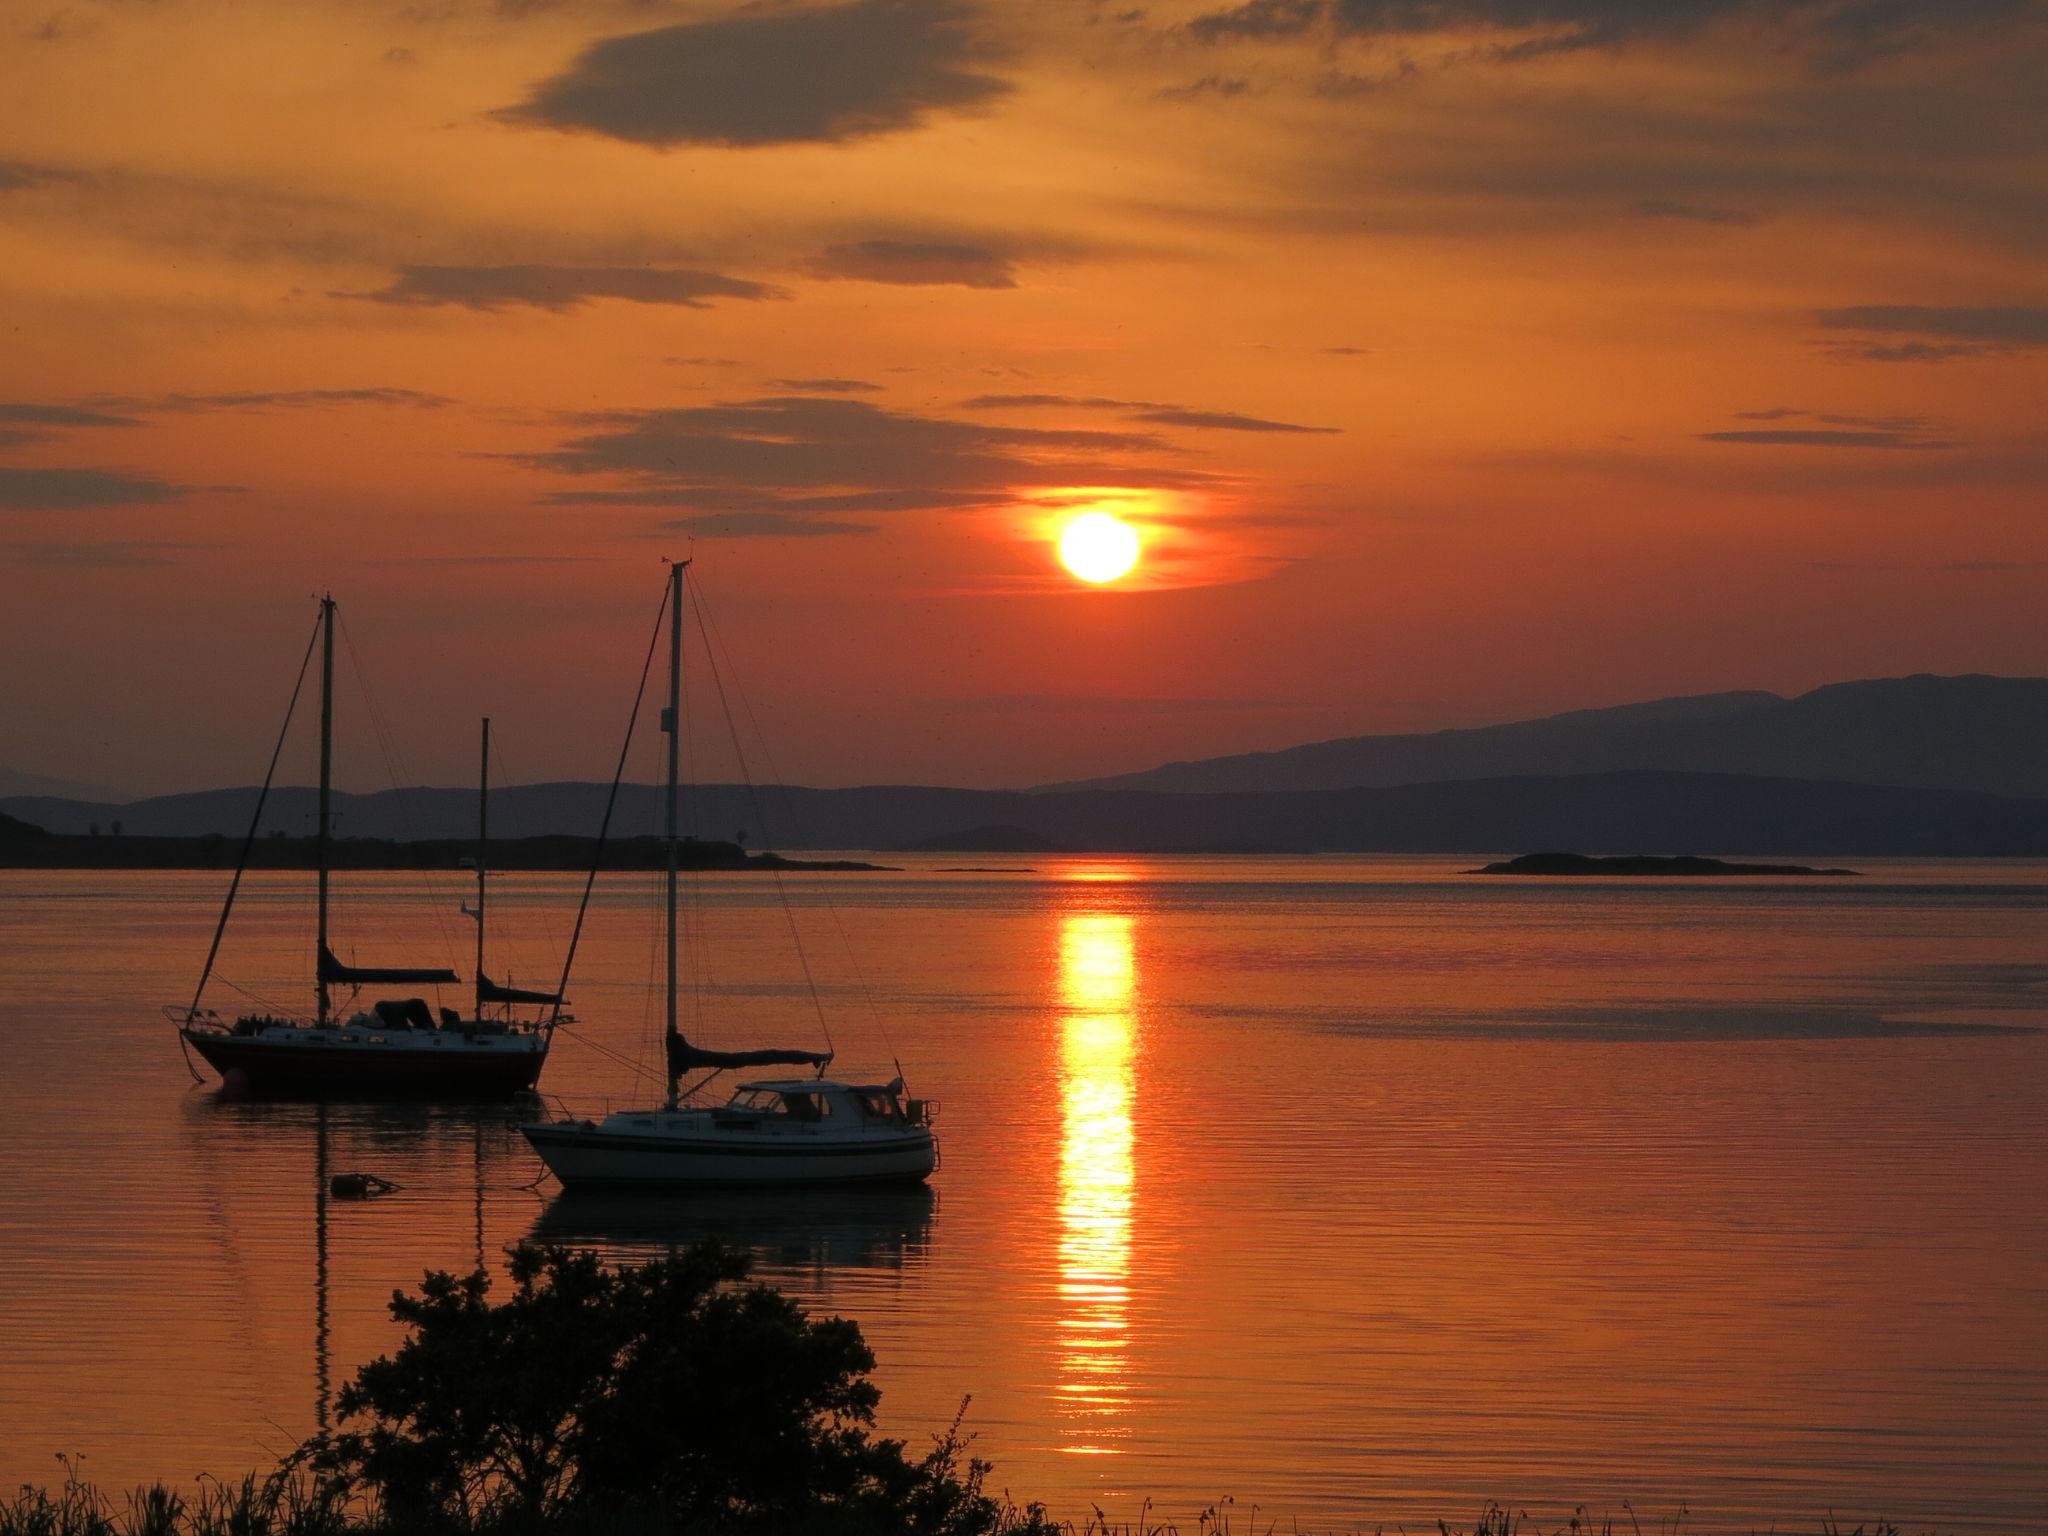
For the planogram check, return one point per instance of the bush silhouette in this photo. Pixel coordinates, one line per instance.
(671, 1393)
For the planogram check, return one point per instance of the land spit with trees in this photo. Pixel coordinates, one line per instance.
(669, 1398)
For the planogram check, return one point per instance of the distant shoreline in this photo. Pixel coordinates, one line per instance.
(52, 850)
(1640, 865)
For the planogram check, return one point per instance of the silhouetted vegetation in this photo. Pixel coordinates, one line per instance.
(1640, 864)
(25, 846)
(671, 1398)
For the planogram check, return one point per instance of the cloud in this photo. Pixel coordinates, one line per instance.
(98, 554)
(560, 288)
(1902, 424)
(801, 455)
(1258, 18)
(1223, 86)
(811, 75)
(1692, 213)
(23, 413)
(1841, 32)
(1080, 402)
(915, 263)
(292, 399)
(762, 525)
(824, 386)
(1938, 332)
(1157, 413)
(1819, 437)
(1223, 421)
(64, 490)
(19, 175)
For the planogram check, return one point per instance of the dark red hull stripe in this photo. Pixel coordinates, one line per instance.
(541, 1136)
(345, 1071)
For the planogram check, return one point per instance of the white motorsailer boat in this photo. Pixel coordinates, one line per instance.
(773, 1131)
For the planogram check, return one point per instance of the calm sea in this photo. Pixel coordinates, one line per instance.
(1355, 1190)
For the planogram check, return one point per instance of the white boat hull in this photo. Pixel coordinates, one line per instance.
(587, 1156)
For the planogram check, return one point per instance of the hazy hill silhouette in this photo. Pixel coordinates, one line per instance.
(1973, 733)
(1630, 812)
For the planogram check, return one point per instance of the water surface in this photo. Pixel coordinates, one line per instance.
(1354, 1189)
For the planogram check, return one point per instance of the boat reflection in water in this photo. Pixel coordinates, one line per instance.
(1098, 983)
(438, 1156)
(880, 1227)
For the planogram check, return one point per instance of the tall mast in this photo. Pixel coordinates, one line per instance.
(326, 782)
(483, 846)
(672, 722)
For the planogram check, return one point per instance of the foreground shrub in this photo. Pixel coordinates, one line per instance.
(670, 1391)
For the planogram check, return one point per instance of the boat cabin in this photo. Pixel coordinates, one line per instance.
(815, 1099)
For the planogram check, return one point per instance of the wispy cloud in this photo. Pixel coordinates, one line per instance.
(1932, 333)
(1820, 437)
(1223, 421)
(804, 456)
(1692, 213)
(825, 386)
(915, 263)
(540, 286)
(1826, 429)
(1158, 413)
(66, 490)
(24, 413)
(763, 525)
(96, 554)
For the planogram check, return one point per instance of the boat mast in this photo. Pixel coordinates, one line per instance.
(672, 722)
(326, 783)
(483, 845)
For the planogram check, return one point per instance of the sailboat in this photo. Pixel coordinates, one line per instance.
(396, 1047)
(783, 1130)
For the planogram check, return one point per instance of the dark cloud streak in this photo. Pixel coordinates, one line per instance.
(914, 263)
(560, 288)
(812, 75)
(69, 490)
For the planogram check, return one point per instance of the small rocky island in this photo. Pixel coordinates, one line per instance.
(1640, 864)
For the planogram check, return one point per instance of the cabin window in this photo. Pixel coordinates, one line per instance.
(879, 1106)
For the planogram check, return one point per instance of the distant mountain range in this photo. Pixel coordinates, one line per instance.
(1917, 765)
(1635, 812)
(1975, 732)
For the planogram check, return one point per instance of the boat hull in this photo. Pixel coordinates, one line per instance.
(325, 1064)
(582, 1156)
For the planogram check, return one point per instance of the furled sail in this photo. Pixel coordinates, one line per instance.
(685, 1057)
(334, 973)
(488, 991)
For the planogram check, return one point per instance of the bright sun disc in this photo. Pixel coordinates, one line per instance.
(1097, 547)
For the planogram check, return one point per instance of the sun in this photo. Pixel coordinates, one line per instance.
(1098, 548)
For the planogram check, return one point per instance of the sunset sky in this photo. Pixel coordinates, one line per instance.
(1455, 361)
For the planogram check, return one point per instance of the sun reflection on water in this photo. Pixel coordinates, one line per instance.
(1098, 977)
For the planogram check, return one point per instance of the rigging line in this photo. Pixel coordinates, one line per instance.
(280, 1009)
(610, 800)
(522, 823)
(821, 887)
(400, 777)
(754, 800)
(638, 1068)
(248, 842)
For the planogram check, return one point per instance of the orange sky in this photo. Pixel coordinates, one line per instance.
(1649, 347)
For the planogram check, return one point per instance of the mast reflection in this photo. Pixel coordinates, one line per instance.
(1098, 977)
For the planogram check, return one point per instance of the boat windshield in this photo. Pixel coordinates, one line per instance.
(880, 1106)
(773, 1101)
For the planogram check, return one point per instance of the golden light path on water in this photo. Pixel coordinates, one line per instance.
(1098, 980)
